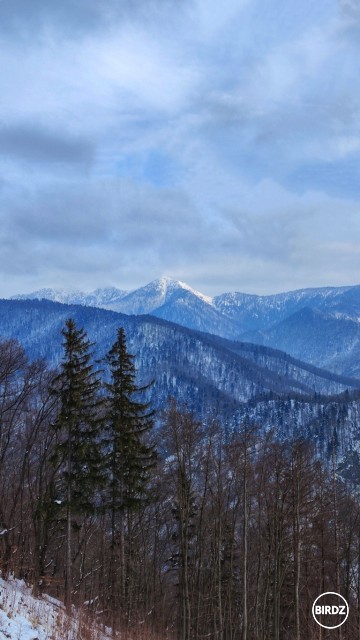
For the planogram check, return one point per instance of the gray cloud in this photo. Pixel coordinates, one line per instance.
(107, 217)
(33, 19)
(192, 139)
(35, 144)
(118, 232)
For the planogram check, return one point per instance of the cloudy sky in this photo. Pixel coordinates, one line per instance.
(216, 143)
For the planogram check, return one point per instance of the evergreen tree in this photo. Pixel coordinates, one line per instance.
(129, 457)
(78, 451)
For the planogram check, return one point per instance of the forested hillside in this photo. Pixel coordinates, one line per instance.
(222, 514)
(232, 531)
(206, 372)
(211, 376)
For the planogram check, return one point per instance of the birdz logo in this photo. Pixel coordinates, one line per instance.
(330, 610)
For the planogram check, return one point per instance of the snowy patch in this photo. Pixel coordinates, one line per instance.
(23, 617)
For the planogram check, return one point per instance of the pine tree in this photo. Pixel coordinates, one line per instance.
(78, 451)
(129, 457)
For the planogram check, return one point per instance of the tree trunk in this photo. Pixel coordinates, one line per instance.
(68, 567)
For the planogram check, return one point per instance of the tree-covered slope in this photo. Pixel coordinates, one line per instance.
(206, 372)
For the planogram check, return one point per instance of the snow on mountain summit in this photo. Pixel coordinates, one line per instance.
(265, 319)
(142, 300)
(98, 298)
(56, 295)
(156, 294)
(178, 284)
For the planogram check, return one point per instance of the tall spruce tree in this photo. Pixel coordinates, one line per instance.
(78, 423)
(129, 458)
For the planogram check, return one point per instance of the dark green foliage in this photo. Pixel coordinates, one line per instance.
(128, 460)
(128, 422)
(78, 451)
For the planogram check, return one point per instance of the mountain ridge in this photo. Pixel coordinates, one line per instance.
(176, 356)
(275, 320)
(152, 296)
(211, 376)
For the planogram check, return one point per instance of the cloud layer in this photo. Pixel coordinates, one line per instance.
(219, 146)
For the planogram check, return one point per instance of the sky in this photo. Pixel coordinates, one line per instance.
(215, 143)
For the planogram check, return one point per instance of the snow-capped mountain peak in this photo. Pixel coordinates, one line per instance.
(169, 285)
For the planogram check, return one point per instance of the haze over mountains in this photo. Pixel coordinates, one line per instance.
(320, 326)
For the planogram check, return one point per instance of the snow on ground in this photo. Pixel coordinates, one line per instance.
(23, 617)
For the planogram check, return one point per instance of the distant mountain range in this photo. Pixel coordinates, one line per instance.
(187, 364)
(208, 374)
(102, 298)
(320, 326)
